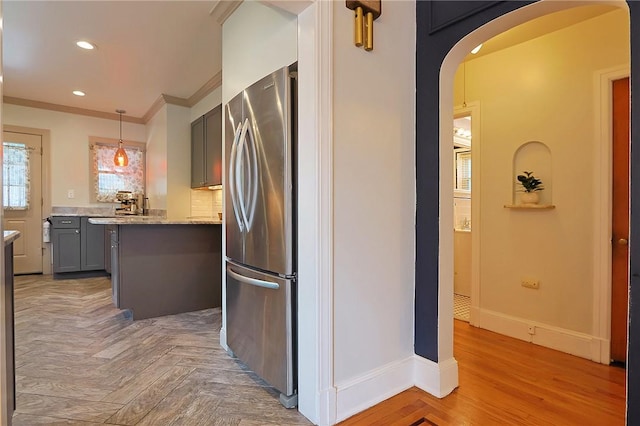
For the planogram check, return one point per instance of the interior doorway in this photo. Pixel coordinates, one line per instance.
(511, 325)
(22, 197)
(462, 230)
(31, 254)
(620, 219)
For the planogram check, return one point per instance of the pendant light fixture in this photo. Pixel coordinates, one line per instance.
(121, 159)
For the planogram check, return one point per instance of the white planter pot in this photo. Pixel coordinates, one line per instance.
(529, 198)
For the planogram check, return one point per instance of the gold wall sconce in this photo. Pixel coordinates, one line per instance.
(366, 11)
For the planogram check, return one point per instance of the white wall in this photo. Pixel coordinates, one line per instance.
(256, 40)
(178, 160)
(157, 170)
(551, 90)
(374, 196)
(206, 104)
(70, 133)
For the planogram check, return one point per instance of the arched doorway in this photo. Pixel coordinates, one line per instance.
(452, 38)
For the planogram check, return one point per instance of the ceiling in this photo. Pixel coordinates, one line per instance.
(541, 26)
(144, 49)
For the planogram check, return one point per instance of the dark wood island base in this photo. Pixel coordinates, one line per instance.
(165, 269)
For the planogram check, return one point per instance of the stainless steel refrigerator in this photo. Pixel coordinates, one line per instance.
(260, 230)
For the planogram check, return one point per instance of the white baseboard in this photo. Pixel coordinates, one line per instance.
(354, 396)
(438, 379)
(568, 341)
(223, 339)
(327, 407)
(374, 387)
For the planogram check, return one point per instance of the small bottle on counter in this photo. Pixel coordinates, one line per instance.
(145, 206)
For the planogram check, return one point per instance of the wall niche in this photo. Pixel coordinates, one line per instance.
(535, 157)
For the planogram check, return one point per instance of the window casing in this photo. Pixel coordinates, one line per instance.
(107, 178)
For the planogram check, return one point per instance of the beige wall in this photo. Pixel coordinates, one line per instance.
(70, 133)
(542, 90)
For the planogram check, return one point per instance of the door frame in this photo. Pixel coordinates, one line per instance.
(473, 110)
(603, 209)
(45, 136)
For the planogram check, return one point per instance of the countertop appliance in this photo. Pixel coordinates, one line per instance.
(128, 202)
(260, 230)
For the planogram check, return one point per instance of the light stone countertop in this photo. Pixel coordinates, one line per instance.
(83, 214)
(153, 220)
(10, 236)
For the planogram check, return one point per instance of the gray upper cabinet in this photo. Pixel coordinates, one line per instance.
(206, 149)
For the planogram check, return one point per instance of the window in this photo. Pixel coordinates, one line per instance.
(107, 178)
(463, 170)
(15, 175)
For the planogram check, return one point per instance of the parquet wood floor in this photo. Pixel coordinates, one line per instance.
(80, 361)
(504, 381)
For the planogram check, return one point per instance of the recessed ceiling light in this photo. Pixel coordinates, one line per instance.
(78, 93)
(85, 45)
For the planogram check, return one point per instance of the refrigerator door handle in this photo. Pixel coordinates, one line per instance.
(232, 166)
(253, 178)
(252, 281)
(239, 172)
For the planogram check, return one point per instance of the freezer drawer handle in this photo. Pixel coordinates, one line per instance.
(252, 281)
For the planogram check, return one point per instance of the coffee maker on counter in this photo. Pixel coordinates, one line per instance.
(129, 203)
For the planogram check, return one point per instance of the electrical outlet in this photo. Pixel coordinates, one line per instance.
(529, 283)
(531, 329)
(71, 193)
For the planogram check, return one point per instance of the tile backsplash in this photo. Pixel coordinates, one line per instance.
(206, 203)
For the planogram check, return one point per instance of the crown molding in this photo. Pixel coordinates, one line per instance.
(213, 83)
(223, 9)
(69, 109)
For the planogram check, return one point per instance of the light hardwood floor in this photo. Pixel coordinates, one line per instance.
(81, 362)
(504, 381)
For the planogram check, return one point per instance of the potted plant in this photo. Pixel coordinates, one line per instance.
(531, 185)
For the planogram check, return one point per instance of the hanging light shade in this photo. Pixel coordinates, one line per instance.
(121, 159)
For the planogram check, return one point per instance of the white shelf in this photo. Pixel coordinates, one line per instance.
(530, 206)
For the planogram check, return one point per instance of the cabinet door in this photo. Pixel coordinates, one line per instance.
(66, 250)
(213, 151)
(91, 245)
(197, 153)
(107, 247)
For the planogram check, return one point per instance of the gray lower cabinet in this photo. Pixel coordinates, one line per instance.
(112, 231)
(77, 245)
(8, 324)
(91, 245)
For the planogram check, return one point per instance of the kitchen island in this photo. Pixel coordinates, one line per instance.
(164, 266)
(8, 323)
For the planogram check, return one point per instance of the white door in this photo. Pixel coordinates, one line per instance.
(22, 197)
